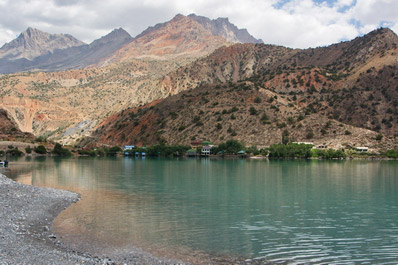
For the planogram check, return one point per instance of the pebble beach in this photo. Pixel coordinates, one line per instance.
(26, 216)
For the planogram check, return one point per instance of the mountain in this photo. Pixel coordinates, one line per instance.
(86, 55)
(181, 37)
(67, 57)
(341, 95)
(33, 43)
(222, 27)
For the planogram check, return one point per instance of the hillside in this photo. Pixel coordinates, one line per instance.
(255, 116)
(344, 94)
(69, 104)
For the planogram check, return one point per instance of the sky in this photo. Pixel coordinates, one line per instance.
(292, 23)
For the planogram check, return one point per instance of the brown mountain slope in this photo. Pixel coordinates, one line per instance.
(65, 105)
(239, 111)
(264, 62)
(350, 97)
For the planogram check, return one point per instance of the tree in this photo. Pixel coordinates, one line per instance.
(285, 137)
(60, 151)
(40, 150)
(290, 150)
(230, 147)
(28, 149)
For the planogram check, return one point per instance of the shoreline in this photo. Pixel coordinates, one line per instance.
(26, 217)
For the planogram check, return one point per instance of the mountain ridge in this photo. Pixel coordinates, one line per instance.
(352, 84)
(222, 27)
(254, 92)
(182, 37)
(71, 57)
(33, 43)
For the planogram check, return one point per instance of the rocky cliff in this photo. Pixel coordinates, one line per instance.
(222, 27)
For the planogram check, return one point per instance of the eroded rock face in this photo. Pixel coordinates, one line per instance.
(222, 27)
(8, 128)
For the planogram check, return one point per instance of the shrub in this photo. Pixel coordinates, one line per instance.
(253, 111)
(113, 150)
(40, 150)
(329, 154)
(257, 100)
(392, 153)
(379, 137)
(14, 152)
(28, 150)
(310, 134)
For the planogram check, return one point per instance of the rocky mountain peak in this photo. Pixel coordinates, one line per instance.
(222, 27)
(116, 36)
(32, 43)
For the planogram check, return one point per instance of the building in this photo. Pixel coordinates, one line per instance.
(192, 152)
(195, 144)
(362, 149)
(206, 150)
(128, 147)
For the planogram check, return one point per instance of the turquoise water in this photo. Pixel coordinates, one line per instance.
(283, 211)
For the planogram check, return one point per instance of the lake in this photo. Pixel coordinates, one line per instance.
(281, 211)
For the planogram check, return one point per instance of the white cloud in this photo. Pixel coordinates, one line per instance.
(294, 23)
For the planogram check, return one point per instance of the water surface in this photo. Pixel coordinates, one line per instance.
(283, 211)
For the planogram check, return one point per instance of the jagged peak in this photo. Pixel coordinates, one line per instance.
(224, 28)
(30, 32)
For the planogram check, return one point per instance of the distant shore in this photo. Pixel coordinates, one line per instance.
(26, 216)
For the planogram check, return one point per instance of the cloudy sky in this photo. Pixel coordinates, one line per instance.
(293, 23)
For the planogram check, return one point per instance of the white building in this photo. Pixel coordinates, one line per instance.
(206, 150)
(362, 149)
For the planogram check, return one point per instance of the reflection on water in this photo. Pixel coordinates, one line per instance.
(281, 211)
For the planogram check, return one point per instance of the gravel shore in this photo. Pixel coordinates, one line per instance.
(26, 215)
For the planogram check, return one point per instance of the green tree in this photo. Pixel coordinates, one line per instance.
(285, 137)
(28, 149)
(230, 147)
(60, 151)
(40, 150)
